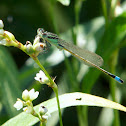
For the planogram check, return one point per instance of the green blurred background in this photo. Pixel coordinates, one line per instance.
(83, 23)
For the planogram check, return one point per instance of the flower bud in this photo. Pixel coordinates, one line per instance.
(43, 110)
(9, 35)
(29, 47)
(25, 95)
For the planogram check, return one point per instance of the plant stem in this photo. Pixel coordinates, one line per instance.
(53, 86)
(81, 111)
(82, 115)
(42, 123)
(58, 103)
(113, 86)
(77, 8)
(104, 8)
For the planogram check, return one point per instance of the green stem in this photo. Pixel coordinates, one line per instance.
(82, 111)
(77, 8)
(113, 86)
(82, 115)
(58, 103)
(104, 8)
(53, 86)
(42, 123)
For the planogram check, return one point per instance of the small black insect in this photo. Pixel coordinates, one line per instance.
(79, 99)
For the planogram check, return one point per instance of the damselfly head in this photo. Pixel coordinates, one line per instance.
(42, 33)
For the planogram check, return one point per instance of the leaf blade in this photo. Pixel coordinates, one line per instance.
(66, 100)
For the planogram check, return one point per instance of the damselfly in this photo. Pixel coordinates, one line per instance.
(87, 57)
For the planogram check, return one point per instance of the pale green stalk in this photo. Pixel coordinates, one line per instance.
(82, 115)
(113, 67)
(104, 8)
(42, 123)
(113, 86)
(77, 9)
(53, 86)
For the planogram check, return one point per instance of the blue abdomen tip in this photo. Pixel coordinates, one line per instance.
(118, 79)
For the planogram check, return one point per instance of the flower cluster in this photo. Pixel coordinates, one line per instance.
(8, 39)
(28, 97)
(26, 104)
(37, 47)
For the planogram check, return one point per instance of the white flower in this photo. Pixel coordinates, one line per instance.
(25, 95)
(33, 95)
(1, 24)
(42, 110)
(18, 105)
(30, 95)
(37, 38)
(29, 47)
(39, 47)
(28, 109)
(41, 77)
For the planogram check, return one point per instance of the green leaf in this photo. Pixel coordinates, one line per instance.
(66, 100)
(64, 2)
(9, 85)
